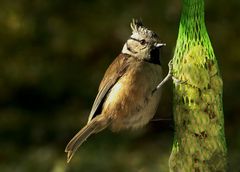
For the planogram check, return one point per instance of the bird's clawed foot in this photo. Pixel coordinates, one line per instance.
(175, 80)
(169, 76)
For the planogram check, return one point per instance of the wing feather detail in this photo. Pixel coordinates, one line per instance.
(117, 69)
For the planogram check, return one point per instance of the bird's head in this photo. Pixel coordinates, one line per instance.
(143, 44)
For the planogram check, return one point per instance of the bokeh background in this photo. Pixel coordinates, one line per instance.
(53, 55)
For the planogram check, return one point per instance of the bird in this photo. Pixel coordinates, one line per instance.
(128, 96)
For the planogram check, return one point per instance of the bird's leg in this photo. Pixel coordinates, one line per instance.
(169, 76)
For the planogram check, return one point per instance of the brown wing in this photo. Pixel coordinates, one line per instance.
(113, 73)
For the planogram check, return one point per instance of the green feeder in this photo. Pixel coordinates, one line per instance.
(199, 141)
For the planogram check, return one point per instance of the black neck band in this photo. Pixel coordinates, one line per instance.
(154, 56)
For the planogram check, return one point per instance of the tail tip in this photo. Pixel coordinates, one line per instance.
(69, 155)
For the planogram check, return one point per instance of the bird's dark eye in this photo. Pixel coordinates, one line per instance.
(143, 42)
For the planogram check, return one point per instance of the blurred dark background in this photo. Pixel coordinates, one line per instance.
(53, 55)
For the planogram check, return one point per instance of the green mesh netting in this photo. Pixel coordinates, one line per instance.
(199, 143)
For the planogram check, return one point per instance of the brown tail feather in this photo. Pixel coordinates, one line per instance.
(97, 124)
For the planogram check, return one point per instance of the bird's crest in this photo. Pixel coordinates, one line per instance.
(138, 27)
